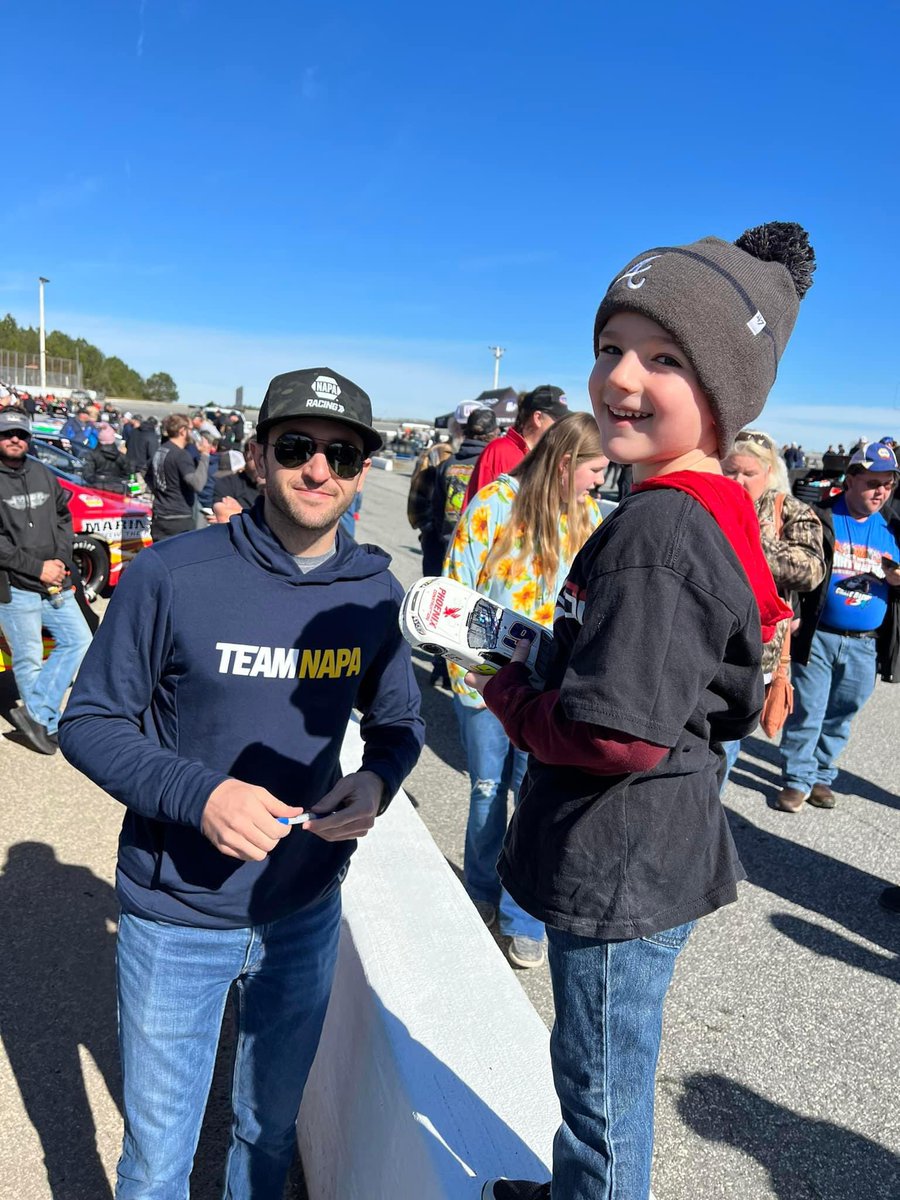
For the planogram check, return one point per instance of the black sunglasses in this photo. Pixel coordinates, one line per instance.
(294, 449)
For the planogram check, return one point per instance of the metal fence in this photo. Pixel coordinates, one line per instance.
(24, 371)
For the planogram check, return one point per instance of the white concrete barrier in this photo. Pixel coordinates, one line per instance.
(382, 464)
(433, 1073)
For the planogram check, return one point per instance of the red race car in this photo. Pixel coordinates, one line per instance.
(109, 530)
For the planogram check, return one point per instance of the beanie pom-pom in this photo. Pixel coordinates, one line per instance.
(785, 242)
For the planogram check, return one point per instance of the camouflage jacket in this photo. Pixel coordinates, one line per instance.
(796, 558)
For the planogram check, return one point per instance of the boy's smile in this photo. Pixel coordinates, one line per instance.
(647, 399)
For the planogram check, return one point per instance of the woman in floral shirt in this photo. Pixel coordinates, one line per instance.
(515, 543)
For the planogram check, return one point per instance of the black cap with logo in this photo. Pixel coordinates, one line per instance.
(319, 392)
(14, 420)
(546, 399)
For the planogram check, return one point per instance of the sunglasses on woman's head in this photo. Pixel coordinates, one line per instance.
(294, 449)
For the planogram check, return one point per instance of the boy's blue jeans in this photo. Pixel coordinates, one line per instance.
(496, 767)
(41, 684)
(173, 982)
(604, 1049)
(828, 693)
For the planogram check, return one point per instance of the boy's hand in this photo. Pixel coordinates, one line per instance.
(892, 575)
(479, 682)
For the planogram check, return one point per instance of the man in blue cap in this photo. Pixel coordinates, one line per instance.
(849, 628)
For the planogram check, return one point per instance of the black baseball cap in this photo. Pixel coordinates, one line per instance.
(14, 419)
(547, 399)
(319, 392)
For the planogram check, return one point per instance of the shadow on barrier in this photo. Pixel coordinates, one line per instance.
(58, 1002)
(442, 1105)
(806, 1159)
(815, 881)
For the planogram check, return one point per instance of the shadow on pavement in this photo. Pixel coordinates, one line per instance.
(58, 995)
(442, 731)
(815, 881)
(834, 945)
(846, 783)
(58, 1001)
(806, 1159)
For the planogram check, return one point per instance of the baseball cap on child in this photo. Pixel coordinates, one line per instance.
(731, 306)
(875, 457)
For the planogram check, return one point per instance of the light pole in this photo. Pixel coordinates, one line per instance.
(41, 282)
(498, 352)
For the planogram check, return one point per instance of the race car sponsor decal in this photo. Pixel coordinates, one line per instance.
(280, 662)
(433, 616)
(116, 528)
(91, 500)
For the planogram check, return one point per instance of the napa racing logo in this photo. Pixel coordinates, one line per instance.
(327, 391)
(116, 529)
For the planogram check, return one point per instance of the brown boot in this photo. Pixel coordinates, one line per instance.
(822, 796)
(790, 800)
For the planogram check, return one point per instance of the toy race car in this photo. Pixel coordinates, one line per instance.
(441, 616)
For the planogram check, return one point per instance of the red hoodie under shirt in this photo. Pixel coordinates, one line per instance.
(535, 721)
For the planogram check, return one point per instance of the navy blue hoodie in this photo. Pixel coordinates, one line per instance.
(218, 658)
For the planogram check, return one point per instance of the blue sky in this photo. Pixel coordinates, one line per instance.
(226, 191)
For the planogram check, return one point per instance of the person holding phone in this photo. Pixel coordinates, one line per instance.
(849, 628)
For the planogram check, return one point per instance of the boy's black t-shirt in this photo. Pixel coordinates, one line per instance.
(656, 634)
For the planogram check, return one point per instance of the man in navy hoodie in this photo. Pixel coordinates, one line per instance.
(213, 704)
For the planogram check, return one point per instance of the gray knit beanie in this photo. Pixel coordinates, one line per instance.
(730, 305)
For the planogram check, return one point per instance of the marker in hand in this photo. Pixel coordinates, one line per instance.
(301, 820)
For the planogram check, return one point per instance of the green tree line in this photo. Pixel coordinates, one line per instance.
(110, 375)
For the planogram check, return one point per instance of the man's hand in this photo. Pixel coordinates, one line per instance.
(224, 510)
(240, 820)
(350, 808)
(53, 572)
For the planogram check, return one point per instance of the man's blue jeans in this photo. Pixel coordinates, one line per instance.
(604, 1049)
(496, 767)
(173, 983)
(41, 684)
(828, 693)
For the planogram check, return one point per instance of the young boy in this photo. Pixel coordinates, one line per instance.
(620, 842)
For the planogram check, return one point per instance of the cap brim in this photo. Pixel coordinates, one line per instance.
(372, 439)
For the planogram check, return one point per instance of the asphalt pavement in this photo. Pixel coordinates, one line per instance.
(781, 1052)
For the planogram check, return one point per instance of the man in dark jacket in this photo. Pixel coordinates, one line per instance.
(453, 475)
(80, 430)
(176, 480)
(225, 726)
(36, 586)
(143, 443)
(106, 466)
(849, 628)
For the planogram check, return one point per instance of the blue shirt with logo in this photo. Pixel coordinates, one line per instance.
(857, 590)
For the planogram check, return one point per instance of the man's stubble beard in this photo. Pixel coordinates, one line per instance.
(300, 518)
